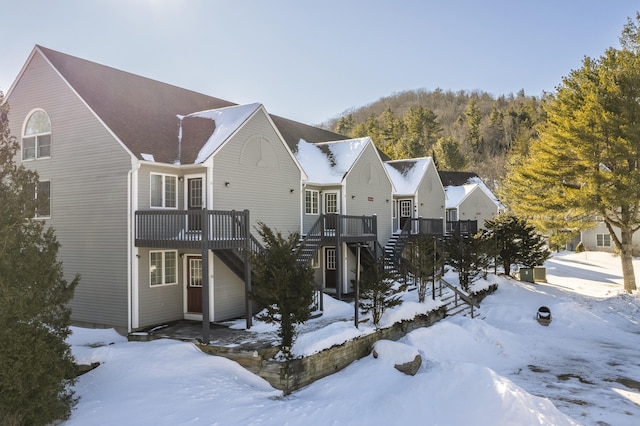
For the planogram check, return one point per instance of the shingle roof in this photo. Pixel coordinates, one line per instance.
(406, 175)
(143, 113)
(456, 178)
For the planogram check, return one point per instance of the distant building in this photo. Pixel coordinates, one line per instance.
(469, 198)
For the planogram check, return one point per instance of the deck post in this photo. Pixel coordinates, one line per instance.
(357, 289)
(205, 276)
(338, 231)
(247, 269)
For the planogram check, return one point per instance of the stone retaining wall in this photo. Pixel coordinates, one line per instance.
(289, 376)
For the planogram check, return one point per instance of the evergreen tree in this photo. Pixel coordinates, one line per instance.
(345, 125)
(450, 157)
(422, 130)
(516, 242)
(473, 119)
(36, 365)
(585, 161)
(425, 261)
(379, 290)
(467, 256)
(284, 287)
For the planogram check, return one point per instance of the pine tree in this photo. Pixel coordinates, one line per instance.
(467, 256)
(284, 287)
(37, 368)
(585, 161)
(424, 261)
(345, 125)
(379, 290)
(422, 130)
(450, 157)
(516, 242)
(473, 119)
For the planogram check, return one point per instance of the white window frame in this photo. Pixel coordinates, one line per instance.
(36, 136)
(335, 209)
(48, 216)
(190, 272)
(312, 202)
(601, 239)
(163, 204)
(164, 268)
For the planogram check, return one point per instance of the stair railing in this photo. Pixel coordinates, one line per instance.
(460, 295)
(311, 242)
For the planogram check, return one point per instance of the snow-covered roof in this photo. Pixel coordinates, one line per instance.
(407, 174)
(457, 194)
(227, 120)
(329, 162)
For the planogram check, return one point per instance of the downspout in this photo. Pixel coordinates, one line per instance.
(342, 255)
(131, 264)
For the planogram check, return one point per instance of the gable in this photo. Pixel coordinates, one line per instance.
(409, 175)
(145, 114)
(329, 162)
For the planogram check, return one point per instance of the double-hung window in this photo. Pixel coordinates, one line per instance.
(163, 267)
(36, 137)
(311, 201)
(164, 191)
(603, 240)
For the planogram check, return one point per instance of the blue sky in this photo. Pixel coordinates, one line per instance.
(310, 61)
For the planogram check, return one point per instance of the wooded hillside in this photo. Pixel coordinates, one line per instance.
(463, 131)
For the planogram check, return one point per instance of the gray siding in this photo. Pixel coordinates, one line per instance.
(144, 182)
(88, 172)
(477, 206)
(431, 195)
(261, 174)
(228, 293)
(370, 185)
(589, 239)
(158, 304)
(308, 220)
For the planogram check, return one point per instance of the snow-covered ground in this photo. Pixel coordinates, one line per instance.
(500, 369)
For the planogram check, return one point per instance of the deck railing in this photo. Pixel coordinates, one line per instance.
(351, 226)
(183, 228)
(462, 227)
(424, 226)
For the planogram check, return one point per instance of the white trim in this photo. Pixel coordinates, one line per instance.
(36, 135)
(164, 266)
(303, 174)
(190, 315)
(185, 188)
(317, 192)
(107, 128)
(232, 134)
(338, 200)
(164, 184)
(133, 252)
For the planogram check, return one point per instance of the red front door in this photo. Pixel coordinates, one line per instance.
(194, 284)
(405, 212)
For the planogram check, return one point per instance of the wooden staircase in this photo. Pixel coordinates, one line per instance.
(456, 301)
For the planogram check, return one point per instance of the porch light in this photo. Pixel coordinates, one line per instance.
(291, 190)
(227, 184)
(353, 197)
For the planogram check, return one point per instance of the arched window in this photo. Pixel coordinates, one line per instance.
(36, 138)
